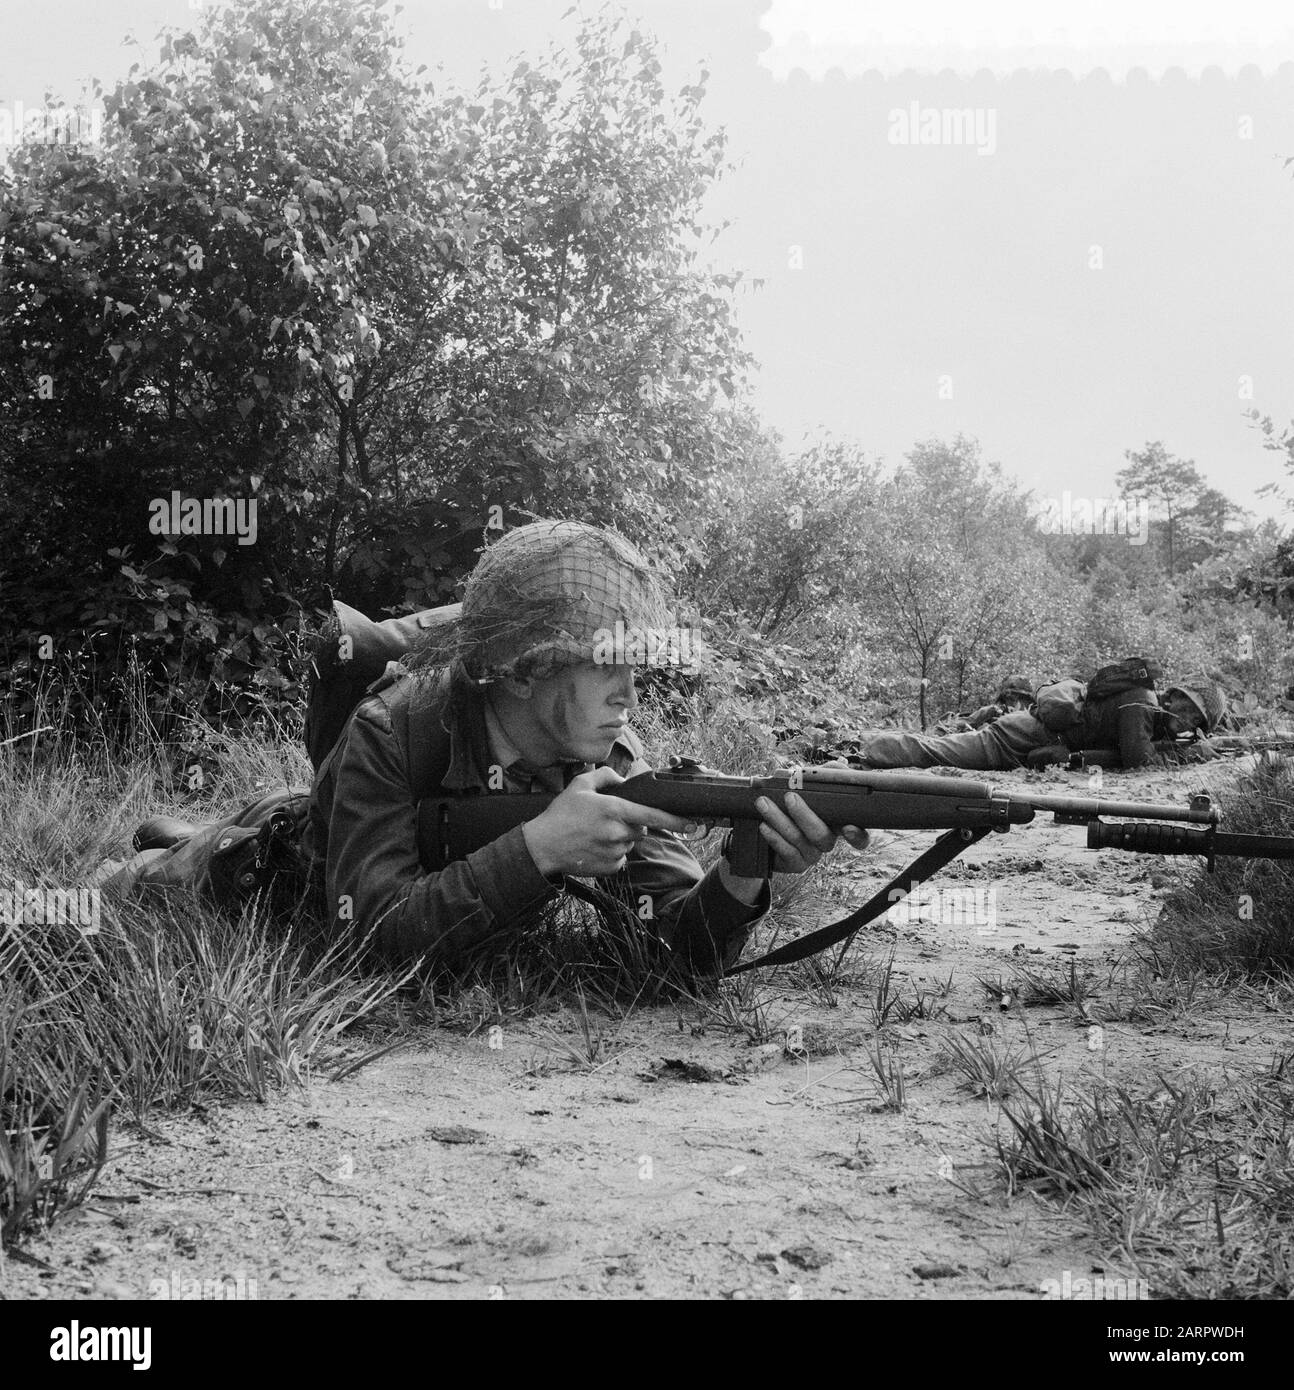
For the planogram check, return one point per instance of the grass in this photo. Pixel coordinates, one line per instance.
(1189, 1182)
(1238, 920)
(989, 1066)
(888, 1071)
(1059, 982)
(1191, 1185)
(168, 1003)
(592, 1047)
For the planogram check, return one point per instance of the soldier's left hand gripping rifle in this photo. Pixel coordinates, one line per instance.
(451, 827)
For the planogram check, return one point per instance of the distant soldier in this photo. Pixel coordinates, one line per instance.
(1014, 694)
(1131, 729)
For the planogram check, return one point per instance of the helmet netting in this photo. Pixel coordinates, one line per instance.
(542, 597)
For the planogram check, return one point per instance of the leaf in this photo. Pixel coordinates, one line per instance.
(366, 215)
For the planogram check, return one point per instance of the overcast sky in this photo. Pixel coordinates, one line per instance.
(1100, 258)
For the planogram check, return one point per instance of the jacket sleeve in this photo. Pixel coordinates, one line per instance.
(1135, 730)
(376, 885)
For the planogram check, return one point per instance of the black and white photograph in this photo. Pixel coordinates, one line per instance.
(645, 656)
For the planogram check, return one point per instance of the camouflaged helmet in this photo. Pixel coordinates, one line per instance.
(1018, 687)
(1207, 697)
(545, 596)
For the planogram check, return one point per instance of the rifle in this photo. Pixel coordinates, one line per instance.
(1238, 746)
(1223, 746)
(450, 828)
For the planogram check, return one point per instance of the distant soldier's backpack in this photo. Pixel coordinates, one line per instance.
(1060, 705)
(1132, 673)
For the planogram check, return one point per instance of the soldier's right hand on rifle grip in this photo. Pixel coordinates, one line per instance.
(589, 834)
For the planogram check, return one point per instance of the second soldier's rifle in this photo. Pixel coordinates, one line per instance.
(1217, 746)
(1240, 746)
(450, 828)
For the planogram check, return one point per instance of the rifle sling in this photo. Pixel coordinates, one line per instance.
(944, 850)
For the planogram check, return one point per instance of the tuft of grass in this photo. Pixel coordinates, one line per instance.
(592, 1047)
(1194, 1187)
(740, 1005)
(989, 1066)
(1058, 982)
(885, 998)
(888, 1071)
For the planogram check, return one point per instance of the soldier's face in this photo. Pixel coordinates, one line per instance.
(1182, 713)
(584, 707)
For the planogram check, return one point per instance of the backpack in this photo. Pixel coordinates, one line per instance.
(1132, 673)
(351, 653)
(1059, 706)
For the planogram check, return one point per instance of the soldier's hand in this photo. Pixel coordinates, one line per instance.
(588, 833)
(798, 837)
(1047, 755)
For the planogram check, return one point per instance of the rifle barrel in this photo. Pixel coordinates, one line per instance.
(1081, 808)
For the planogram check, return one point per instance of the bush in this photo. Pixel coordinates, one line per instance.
(1239, 919)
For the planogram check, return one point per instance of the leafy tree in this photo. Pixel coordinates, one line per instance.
(392, 316)
(953, 584)
(1208, 526)
(1174, 484)
(783, 545)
